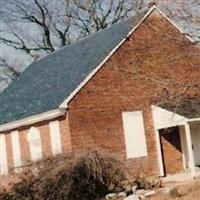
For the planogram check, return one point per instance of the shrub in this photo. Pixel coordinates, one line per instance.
(76, 177)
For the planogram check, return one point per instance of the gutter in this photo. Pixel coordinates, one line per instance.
(33, 119)
(194, 120)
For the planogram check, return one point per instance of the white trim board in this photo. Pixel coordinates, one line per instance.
(194, 120)
(33, 119)
(159, 153)
(64, 104)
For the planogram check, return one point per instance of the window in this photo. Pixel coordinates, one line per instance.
(3, 155)
(55, 137)
(16, 151)
(134, 134)
(34, 141)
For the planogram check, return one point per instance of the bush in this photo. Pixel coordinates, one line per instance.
(76, 177)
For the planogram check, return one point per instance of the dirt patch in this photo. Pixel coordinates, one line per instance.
(188, 191)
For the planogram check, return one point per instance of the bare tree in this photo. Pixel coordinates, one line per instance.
(11, 70)
(38, 26)
(35, 25)
(94, 15)
(186, 13)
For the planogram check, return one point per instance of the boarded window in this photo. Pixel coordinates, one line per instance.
(3, 155)
(16, 151)
(134, 134)
(55, 137)
(34, 141)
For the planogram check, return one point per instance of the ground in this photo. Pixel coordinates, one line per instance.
(187, 191)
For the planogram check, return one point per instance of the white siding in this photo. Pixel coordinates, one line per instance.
(34, 141)
(134, 134)
(55, 137)
(16, 151)
(3, 155)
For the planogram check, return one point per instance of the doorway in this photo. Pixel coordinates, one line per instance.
(195, 134)
(171, 150)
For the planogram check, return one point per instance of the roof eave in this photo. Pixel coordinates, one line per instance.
(49, 115)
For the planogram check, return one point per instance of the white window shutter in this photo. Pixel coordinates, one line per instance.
(35, 145)
(16, 151)
(134, 134)
(55, 137)
(3, 155)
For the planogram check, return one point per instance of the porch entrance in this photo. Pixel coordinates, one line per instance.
(186, 141)
(171, 150)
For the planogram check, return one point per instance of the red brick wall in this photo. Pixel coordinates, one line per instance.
(43, 127)
(151, 66)
(65, 135)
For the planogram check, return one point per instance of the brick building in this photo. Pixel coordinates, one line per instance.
(132, 89)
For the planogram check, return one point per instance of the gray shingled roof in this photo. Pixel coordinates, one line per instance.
(47, 82)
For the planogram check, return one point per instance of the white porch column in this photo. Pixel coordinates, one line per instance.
(190, 151)
(158, 144)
